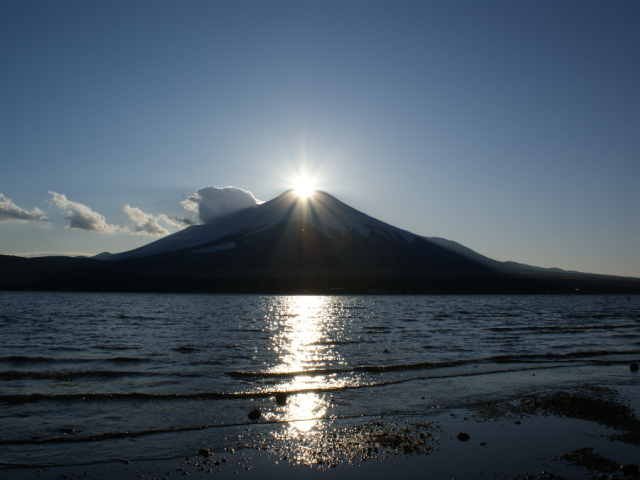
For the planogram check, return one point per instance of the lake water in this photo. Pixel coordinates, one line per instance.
(95, 377)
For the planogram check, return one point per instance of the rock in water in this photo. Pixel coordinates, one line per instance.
(633, 367)
(205, 452)
(463, 437)
(254, 414)
(281, 398)
(629, 469)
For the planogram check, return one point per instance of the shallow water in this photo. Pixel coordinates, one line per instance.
(153, 376)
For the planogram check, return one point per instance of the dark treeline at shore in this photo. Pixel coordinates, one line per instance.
(86, 274)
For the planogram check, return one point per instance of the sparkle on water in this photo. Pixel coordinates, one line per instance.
(300, 347)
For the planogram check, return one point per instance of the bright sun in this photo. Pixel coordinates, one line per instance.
(304, 187)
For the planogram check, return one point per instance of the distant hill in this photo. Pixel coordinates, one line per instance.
(291, 245)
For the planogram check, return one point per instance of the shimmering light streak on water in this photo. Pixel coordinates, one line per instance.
(301, 329)
(305, 405)
(300, 343)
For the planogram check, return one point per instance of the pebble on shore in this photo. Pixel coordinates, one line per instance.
(629, 469)
(254, 414)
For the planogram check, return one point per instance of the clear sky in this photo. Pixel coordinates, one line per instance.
(511, 127)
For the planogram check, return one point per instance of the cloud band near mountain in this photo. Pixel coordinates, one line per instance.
(144, 223)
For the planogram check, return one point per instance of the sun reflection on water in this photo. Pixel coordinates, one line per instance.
(305, 405)
(305, 341)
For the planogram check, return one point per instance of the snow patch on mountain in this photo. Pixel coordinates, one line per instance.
(216, 248)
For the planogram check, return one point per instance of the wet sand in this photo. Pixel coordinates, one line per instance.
(584, 433)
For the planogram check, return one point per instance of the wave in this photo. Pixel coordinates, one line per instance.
(185, 349)
(410, 366)
(135, 317)
(330, 371)
(558, 329)
(558, 356)
(65, 375)
(84, 397)
(72, 375)
(500, 359)
(68, 349)
(332, 342)
(116, 347)
(73, 438)
(299, 373)
(607, 315)
(136, 396)
(22, 359)
(127, 359)
(25, 359)
(207, 362)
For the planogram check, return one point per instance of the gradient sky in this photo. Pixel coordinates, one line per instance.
(510, 127)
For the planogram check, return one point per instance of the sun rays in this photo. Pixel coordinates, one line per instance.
(304, 187)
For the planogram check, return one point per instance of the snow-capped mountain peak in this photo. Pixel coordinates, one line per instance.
(320, 211)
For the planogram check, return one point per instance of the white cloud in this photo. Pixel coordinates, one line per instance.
(214, 202)
(10, 212)
(144, 223)
(82, 217)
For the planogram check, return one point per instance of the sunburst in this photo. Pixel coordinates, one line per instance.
(303, 187)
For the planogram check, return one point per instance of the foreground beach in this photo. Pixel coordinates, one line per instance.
(587, 433)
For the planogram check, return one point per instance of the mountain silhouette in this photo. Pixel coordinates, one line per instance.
(291, 244)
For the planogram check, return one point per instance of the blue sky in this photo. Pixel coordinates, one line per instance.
(510, 127)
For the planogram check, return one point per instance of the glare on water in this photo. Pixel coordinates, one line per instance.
(305, 322)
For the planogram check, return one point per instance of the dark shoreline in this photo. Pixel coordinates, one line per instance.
(581, 433)
(91, 275)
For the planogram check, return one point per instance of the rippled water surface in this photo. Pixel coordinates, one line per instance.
(146, 376)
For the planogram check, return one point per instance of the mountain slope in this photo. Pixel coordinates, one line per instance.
(317, 233)
(321, 211)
